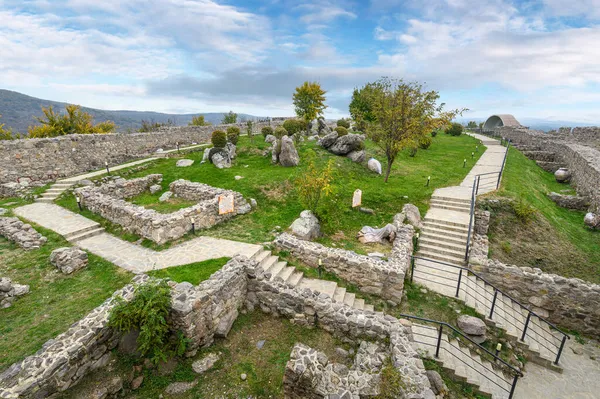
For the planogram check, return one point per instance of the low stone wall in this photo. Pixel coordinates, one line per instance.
(48, 159)
(21, 233)
(65, 360)
(107, 202)
(370, 275)
(209, 309)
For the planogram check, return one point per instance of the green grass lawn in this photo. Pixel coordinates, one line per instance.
(193, 273)
(278, 206)
(556, 240)
(55, 300)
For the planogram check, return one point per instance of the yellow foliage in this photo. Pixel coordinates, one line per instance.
(5, 134)
(74, 121)
(314, 185)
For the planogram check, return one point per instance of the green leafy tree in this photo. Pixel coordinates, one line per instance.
(74, 121)
(402, 113)
(5, 134)
(266, 131)
(360, 107)
(219, 139)
(343, 123)
(309, 102)
(233, 134)
(250, 129)
(230, 117)
(294, 126)
(472, 125)
(455, 129)
(198, 121)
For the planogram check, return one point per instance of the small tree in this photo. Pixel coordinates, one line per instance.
(294, 126)
(455, 129)
(343, 123)
(401, 114)
(361, 108)
(74, 121)
(219, 139)
(5, 134)
(250, 129)
(472, 125)
(233, 134)
(267, 130)
(198, 121)
(309, 102)
(314, 185)
(230, 117)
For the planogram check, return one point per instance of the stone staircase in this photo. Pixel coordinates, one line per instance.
(84, 233)
(55, 191)
(279, 269)
(462, 362)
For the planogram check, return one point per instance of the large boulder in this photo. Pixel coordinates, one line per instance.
(570, 201)
(220, 157)
(592, 220)
(412, 215)
(288, 156)
(385, 234)
(471, 325)
(184, 163)
(155, 188)
(307, 226)
(69, 259)
(357, 156)
(231, 148)
(270, 139)
(437, 383)
(328, 140)
(374, 166)
(346, 144)
(205, 156)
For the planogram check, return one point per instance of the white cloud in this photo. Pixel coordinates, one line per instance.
(322, 12)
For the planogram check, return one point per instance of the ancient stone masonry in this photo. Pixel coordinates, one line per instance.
(9, 291)
(109, 202)
(21, 233)
(47, 159)
(64, 360)
(371, 275)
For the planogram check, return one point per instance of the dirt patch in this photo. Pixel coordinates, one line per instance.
(277, 191)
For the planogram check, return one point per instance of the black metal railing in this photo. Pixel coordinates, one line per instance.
(488, 372)
(452, 277)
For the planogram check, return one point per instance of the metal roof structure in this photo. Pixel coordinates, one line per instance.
(500, 120)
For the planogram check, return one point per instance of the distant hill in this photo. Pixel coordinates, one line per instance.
(18, 112)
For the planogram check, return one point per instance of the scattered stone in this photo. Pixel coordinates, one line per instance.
(367, 210)
(177, 388)
(412, 215)
(160, 150)
(328, 140)
(369, 234)
(205, 156)
(342, 352)
(155, 188)
(424, 291)
(137, 382)
(3, 211)
(374, 166)
(577, 350)
(238, 177)
(270, 139)
(165, 196)
(260, 344)
(592, 220)
(288, 156)
(231, 149)
(10, 291)
(243, 377)
(184, 163)
(253, 203)
(471, 325)
(437, 383)
(347, 144)
(357, 156)
(570, 201)
(21, 233)
(306, 227)
(69, 259)
(562, 175)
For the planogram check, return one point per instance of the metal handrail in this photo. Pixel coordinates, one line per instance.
(530, 312)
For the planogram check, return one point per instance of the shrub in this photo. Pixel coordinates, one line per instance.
(434, 133)
(280, 131)
(73, 121)
(219, 139)
(250, 129)
(293, 126)
(266, 131)
(313, 185)
(343, 123)
(148, 312)
(233, 134)
(412, 151)
(523, 210)
(455, 129)
(425, 142)
(198, 121)
(341, 131)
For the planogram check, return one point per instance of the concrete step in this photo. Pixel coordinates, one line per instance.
(340, 293)
(445, 227)
(87, 234)
(423, 253)
(295, 279)
(53, 190)
(434, 235)
(456, 253)
(369, 307)
(442, 243)
(463, 226)
(286, 272)
(79, 232)
(268, 263)
(275, 268)
(322, 286)
(451, 199)
(359, 304)
(349, 298)
(442, 231)
(261, 256)
(451, 208)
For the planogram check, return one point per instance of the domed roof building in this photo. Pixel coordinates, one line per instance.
(500, 120)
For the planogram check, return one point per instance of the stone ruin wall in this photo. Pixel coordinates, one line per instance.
(109, 201)
(570, 151)
(568, 302)
(370, 275)
(48, 159)
(206, 311)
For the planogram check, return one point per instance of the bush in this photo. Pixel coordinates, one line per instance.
(266, 131)
(293, 126)
(523, 210)
(455, 129)
(280, 131)
(219, 139)
(434, 133)
(148, 312)
(343, 123)
(412, 151)
(425, 142)
(341, 131)
(314, 185)
(233, 134)
(250, 129)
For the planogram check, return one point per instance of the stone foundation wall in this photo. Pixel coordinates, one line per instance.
(370, 275)
(65, 360)
(107, 202)
(21, 233)
(48, 159)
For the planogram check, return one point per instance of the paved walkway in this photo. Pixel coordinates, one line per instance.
(127, 255)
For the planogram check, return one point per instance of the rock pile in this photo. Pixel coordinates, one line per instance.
(570, 201)
(69, 259)
(283, 151)
(10, 291)
(21, 233)
(349, 145)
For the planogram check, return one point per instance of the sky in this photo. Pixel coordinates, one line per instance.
(536, 59)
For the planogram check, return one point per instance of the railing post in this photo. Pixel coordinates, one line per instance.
(473, 197)
(493, 303)
(562, 345)
(514, 385)
(526, 325)
(439, 341)
(477, 190)
(458, 285)
(412, 268)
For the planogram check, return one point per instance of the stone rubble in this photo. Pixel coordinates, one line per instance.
(9, 291)
(21, 233)
(69, 259)
(570, 201)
